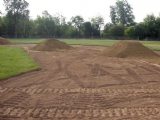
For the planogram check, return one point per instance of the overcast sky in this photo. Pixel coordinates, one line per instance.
(89, 8)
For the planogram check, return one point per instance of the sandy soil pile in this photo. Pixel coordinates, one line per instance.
(51, 45)
(129, 49)
(4, 41)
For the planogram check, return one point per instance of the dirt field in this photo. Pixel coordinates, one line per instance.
(80, 84)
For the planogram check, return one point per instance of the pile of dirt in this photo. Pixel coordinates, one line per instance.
(4, 41)
(51, 45)
(129, 49)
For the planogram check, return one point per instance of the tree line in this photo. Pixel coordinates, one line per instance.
(17, 23)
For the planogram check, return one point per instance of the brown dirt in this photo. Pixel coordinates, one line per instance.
(51, 45)
(4, 41)
(131, 49)
(81, 85)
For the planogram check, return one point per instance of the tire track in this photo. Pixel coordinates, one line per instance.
(28, 76)
(78, 90)
(150, 70)
(134, 75)
(95, 70)
(58, 113)
(116, 77)
(16, 100)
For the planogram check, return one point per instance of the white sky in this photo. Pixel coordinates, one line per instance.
(89, 8)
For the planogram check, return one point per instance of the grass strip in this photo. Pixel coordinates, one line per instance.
(15, 60)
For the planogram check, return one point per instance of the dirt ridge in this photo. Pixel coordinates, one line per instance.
(4, 41)
(51, 45)
(129, 49)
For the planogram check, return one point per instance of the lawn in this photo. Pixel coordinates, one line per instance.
(15, 60)
(154, 45)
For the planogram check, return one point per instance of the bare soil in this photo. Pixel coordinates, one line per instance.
(4, 41)
(80, 84)
(131, 49)
(51, 45)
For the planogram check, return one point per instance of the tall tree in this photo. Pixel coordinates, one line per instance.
(87, 29)
(18, 8)
(106, 29)
(122, 13)
(97, 23)
(49, 23)
(117, 30)
(113, 14)
(61, 25)
(24, 25)
(78, 23)
(151, 26)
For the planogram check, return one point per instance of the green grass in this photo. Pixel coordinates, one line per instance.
(26, 40)
(15, 60)
(154, 45)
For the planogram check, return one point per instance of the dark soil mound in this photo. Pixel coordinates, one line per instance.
(4, 41)
(129, 49)
(51, 45)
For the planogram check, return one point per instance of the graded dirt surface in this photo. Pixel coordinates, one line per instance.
(81, 85)
(51, 45)
(4, 41)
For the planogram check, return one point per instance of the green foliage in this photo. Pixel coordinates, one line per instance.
(14, 60)
(87, 29)
(78, 23)
(122, 13)
(106, 29)
(140, 30)
(45, 25)
(17, 23)
(17, 9)
(113, 15)
(151, 24)
(130, 31)
(97, 22)
(117, 30)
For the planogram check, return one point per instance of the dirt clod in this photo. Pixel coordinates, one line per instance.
(51, 45)
(130, 49)
(4, 41)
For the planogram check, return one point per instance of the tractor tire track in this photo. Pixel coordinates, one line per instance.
(79, 90)
(16, 100)
(134, 75)
(95, 70)
(58, 113)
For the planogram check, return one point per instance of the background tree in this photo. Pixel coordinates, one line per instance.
(18, 8)
(97, 23)
(140, 30)
(106, 31)
(71, 30)
(9, 24)
(87, 29)
(49, 23)
(60, 24)
(151, 26)
(117, 30)
(130, 31)
(122, 13)
(113, 15)
(78, 23)
(24, 25)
